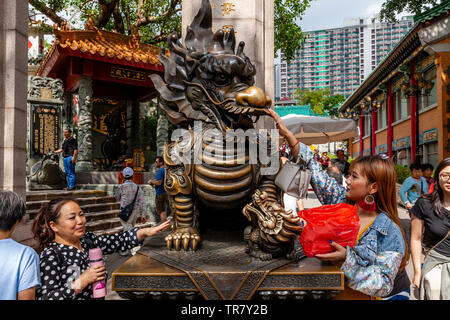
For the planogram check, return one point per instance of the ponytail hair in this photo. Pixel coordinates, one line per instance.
(50, 211)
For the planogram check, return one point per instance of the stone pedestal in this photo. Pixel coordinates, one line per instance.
(44, 132)
(253, 22)
(84, 158)
(13, 92)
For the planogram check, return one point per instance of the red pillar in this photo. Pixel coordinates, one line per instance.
(390, 119)
(361, 134)
(413, 100)
(373, 135)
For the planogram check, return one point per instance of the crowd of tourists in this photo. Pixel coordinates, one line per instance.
(374, 265)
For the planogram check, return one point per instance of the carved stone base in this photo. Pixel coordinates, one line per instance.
(221, 270)
(84, 166)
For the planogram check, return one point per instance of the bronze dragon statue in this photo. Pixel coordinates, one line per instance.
(208, 79)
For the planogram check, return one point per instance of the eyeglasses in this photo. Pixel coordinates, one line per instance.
(444, 176)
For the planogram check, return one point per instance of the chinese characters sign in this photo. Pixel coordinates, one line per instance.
(227, 8)
(45, 124)
(128, 74)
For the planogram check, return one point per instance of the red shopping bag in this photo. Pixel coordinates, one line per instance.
(338, 223)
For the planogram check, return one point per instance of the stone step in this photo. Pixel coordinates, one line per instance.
(95, 216)
(32, 205)
(99, 207)
(55, 194)
(105, 224)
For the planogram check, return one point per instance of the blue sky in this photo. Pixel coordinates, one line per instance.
(326, 14)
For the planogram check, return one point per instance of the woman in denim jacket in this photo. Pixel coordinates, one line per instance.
(380, 251)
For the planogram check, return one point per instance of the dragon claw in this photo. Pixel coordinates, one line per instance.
(183, 239)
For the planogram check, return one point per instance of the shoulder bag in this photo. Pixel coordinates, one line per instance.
(293, 179)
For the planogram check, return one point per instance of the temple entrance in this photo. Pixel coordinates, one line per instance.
(107, 83)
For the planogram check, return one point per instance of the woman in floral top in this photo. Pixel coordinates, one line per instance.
(65, 272)
(380, 251)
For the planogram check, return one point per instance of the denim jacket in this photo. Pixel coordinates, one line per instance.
(372, 264)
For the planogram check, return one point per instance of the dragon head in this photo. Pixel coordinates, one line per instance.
(208, 79)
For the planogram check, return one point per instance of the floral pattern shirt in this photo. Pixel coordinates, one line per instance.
(62, 264)
(327, 189)
(372, 264)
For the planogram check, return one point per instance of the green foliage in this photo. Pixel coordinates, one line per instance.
(288, 34)
(392, 7)
(331, 104)
(402, 173)
(320, 100)
(153, 20)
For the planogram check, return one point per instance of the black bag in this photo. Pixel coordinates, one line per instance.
(128, 209)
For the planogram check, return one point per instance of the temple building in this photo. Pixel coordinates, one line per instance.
(105, 79)
(403, 106)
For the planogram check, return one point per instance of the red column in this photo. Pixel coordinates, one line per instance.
(361, 133)
(413, 101)
(390, 119)
(373, 135)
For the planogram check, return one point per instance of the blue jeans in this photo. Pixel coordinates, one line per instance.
(69, 169)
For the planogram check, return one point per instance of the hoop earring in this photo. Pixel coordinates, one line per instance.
(368, 204)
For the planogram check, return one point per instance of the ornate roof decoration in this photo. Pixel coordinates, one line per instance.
(97, 42)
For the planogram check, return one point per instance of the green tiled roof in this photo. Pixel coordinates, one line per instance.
(433, 12)
(300, 110)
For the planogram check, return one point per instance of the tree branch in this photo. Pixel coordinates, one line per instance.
(126, 12)
(142, 20)
(106, 10)
(118, 20)
(48, 12)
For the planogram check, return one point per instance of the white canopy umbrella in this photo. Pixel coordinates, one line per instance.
(318, 130)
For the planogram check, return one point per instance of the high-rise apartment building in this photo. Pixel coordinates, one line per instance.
(340, 58)
(277, 82)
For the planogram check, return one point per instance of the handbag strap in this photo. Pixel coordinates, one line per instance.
(135, 196)
(434, 247)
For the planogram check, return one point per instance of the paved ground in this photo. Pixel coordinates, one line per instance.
(115, 260)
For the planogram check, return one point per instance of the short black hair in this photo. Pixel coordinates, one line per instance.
(68, 129)
(160, 159)
(338, 164)
(340, 150)
(12, 209)
(426, 166)
(336, 176)
(415, 166)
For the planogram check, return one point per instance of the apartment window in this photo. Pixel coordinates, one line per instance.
(431, 153)
(404, 157)
(430, 75)
(382, 116)
(367, 124)
(403, 106)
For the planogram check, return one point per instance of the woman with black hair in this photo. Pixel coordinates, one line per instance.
(60, 229)
(431, 213)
